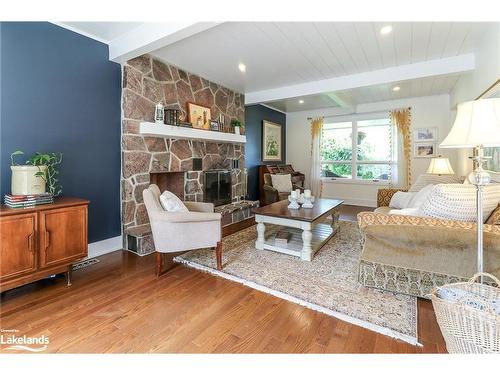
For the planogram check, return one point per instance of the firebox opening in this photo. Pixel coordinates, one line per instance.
(217, 187)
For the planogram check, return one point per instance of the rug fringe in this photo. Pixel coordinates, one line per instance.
(372, 327)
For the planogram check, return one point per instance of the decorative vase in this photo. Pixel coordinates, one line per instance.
(237, 130)
(24, 181)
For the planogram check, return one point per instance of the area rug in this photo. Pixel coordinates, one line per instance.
(327, 284)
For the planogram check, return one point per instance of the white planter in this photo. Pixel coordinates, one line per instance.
(24, 181)
(237, 130)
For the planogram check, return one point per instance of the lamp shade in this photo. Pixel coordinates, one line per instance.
(477, 123)
(440, 165)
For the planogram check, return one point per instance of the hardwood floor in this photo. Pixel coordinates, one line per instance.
(119, 306)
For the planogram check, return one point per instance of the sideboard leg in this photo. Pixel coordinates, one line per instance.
(68, 276)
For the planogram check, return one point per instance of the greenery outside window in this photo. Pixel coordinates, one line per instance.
(359, 149)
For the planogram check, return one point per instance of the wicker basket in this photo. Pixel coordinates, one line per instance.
(469, 329)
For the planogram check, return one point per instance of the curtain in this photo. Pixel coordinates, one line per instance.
(315, 179)
(401, 118)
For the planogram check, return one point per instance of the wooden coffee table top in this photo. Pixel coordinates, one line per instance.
(280, 209)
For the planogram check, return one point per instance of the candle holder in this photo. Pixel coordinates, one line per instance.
(307, 202)
(293, 203)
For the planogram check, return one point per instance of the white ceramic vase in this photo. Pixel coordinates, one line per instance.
(24, 181)
(237, 130)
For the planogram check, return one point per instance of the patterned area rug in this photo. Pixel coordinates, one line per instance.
(327, 284)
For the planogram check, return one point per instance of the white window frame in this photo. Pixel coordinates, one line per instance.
(354, 162)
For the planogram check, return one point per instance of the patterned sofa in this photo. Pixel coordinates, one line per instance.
(412, 255)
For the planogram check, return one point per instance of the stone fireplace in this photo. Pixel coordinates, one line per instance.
(170, 162)
(171, 181)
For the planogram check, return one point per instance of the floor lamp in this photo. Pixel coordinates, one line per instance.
(477, 125)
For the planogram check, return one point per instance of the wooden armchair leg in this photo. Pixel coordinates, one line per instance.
(159, 263)
(163, 266)
(218, 255)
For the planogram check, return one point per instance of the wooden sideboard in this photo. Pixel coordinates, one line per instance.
(41, 241)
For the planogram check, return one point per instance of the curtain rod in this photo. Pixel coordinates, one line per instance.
(360, 113)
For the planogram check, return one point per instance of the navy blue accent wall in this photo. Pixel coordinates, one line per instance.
(254, 115)
(60, 92)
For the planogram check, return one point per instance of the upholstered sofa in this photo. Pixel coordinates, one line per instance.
(412, 255)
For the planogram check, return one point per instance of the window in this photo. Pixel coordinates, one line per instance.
(372, 140)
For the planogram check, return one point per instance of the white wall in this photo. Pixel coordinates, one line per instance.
(429, 111)
(487, 71)
(473, 84)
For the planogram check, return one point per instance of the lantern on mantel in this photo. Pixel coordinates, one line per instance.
(159, 113)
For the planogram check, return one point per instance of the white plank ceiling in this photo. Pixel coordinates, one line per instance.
(281, 54)
(286, 53)
(412, 88)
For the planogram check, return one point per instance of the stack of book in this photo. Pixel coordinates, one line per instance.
(26, 201)
(282, 238)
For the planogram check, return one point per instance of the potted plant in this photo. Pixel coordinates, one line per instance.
(236, 124)
(39, 172)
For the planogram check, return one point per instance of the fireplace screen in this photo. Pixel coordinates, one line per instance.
(217, 187)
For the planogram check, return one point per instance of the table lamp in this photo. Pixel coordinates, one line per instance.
(477, 125)
(440, 166)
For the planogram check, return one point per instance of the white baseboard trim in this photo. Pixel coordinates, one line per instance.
(106, 246)
(356, 201)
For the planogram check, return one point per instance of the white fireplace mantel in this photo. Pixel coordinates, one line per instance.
(179, 132)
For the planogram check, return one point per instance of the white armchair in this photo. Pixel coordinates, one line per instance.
(182, 231)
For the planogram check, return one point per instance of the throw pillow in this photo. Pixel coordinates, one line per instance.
(171, 203)
(401, 199)
(434, 179)
(282, 182)
(420, 196)
(458, 202)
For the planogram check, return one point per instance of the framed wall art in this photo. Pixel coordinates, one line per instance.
(271, 141)
(425, 135)
(199, 116)
(424, 150)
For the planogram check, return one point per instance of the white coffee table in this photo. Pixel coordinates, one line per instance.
(307, 226)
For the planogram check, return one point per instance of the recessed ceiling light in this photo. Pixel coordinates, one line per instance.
(301, 101)
(386, 30)
(242, 67)
(396, 88)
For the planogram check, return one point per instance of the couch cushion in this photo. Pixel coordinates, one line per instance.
(434, 179)
(458, 202)
(171, 203)
(282, 182)
(382, 210)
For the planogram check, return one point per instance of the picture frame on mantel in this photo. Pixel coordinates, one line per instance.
(493, 164)
(199, 116)
(271, 141)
